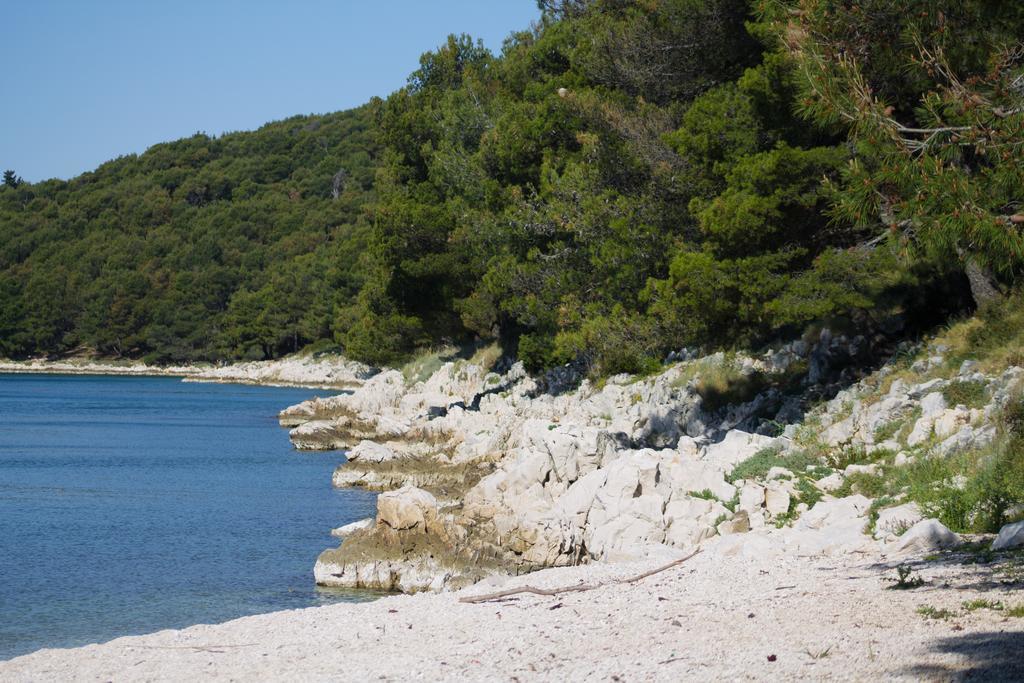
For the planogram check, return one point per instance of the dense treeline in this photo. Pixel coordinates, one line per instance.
(237, 246)
(625, 178)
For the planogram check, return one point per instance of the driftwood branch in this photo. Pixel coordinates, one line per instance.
(473, 599)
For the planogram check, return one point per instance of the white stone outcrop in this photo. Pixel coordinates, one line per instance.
(370, 451)
(1010, 536)
(532, 476)
(893, 521)
(736, 447)
(407, 508)
(352, 527)
(928, 534)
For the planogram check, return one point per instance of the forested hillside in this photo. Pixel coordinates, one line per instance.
(625, 178)
(203, 248)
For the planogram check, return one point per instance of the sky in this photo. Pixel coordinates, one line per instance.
(85, 81)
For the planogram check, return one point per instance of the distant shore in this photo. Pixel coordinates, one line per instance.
(98, 367)
(307, 371)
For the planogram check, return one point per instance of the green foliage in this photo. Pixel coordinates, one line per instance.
(928, 92)
(11, 179)
(981, 603)
(886, 431)
(758, 465)
(930, 612)
(906, 579)
(974, 491)
(968, 393)
(624, 179)
(233, 247)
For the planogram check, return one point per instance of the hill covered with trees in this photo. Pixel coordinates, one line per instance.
(624, 179)
(202, 248)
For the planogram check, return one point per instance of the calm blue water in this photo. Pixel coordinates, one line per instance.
(129, 505)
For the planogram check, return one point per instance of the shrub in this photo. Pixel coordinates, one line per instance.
(888, 430)
(757, 465)
(971, 394)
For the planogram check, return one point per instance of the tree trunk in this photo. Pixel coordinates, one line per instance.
(983, 287)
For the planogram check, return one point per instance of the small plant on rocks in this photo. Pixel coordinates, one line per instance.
(929, 612)
(905, 578)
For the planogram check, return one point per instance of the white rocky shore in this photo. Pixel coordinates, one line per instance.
(95, 367)
(497, 474)
(319, 371)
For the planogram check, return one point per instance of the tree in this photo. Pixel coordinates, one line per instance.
(932, 94)
(11, 179)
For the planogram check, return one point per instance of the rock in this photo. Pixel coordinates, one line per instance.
(1010, 536)
(919, 390)
(928, 534)
(635, 525)
(349, 529)
(841, 432)
(834, 512)
(751, 498)
(951, 421)
(968, 367)
(967, 438)
(926, 364)
(406, 508)
(689, 521)
(318, 435)
(831, 527)
(871, 469)
(895, 520)
(776, 499)
(370, 451)
(830, 483)
(688, 447)
(553, 470)
(694, 477)
(921, 432)
(739, 524)
(736, 447)
(933, 404)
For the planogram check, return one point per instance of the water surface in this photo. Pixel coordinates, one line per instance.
(134, 504)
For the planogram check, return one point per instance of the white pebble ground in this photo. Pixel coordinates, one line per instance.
(712, 618)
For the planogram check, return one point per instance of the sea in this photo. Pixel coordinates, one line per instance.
(134, 504)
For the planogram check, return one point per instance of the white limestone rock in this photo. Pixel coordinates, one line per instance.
(406, 508)
(928, 534)
(318, 435)
(830, 483)
(370, 451)
(351, 528)
(871, 469)
(1010, 536)
(776, 499)
(827, 513)
(894, 521)
(933, 404)
(777, 472)
(736, 447)
(739, 524)
(686, 476)
(751, 498)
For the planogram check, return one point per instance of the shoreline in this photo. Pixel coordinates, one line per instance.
(93, 368)
(332, 373)
(790, 617)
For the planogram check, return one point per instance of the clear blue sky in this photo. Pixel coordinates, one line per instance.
(85, 81)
